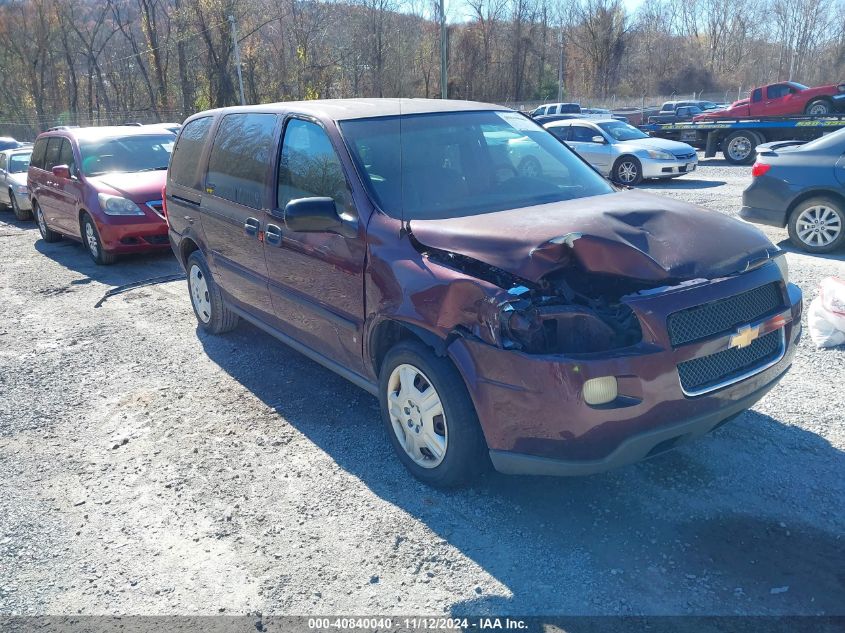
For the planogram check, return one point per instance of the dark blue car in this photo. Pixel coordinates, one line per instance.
(801, 186)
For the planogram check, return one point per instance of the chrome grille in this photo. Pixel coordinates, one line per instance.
(157, 207)
(704, 374)
(724, 315)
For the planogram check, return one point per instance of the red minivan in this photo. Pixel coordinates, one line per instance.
(101, 186)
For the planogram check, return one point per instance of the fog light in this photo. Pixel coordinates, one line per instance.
(600, 390)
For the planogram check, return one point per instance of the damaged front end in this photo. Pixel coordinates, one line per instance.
(569, 310)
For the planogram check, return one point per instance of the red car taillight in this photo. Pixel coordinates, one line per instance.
(759, 169)
(164, 205)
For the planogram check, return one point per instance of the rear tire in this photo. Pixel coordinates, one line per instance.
(47, 234)
(413, 382)
(20, 214)
(213, 315)
(817, 225)
(627, 170)
(738, 148)
(94, 244)
(819, 107)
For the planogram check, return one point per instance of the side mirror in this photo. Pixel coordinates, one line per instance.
(316, 215)
(61, 171)
(598, 138)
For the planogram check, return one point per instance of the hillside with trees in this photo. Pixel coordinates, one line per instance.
(111, 61)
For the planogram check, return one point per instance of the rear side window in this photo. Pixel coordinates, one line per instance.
(186, 155)
(38, 153)
(309, 167)
(237, 168)
(54, 150)
(777, 91)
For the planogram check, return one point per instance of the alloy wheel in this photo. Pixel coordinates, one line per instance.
(91, 239)
(819, 109)
(417, 416)
(627, 172)
(42, 223)
(818, 225)
(199, 294)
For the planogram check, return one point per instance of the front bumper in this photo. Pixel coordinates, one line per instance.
(23, 201)
(532, 410)
(653, 168)
(133, 234)
(769, 217)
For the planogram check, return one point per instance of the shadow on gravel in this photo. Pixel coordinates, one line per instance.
(673, 533)
(7, 218)
(682, 183)
(128, 268)
(720, 162)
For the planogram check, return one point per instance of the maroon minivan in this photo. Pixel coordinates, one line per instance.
(540, 319)
(101, 186)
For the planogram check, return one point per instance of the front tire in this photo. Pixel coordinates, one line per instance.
(430, 419)
(213, 315)
(627, 170)
(47, 234)
(819, 107)
(20, 214)
(94, 244)
(817, 225)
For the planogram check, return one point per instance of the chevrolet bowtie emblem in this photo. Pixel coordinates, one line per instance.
(745, 336)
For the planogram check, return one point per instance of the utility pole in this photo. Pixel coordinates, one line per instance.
(238, 57)
(560, 67)
(444, 54)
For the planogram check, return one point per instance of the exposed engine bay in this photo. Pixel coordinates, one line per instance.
(568, 311)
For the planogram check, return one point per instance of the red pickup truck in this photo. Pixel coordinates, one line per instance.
(783, 99)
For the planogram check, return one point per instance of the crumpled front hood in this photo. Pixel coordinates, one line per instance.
(630, 234)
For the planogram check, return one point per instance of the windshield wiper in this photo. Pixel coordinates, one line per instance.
(152, 169)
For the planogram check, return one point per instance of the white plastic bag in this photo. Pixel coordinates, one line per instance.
(826, 315)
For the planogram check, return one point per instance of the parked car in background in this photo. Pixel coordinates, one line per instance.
(548, 118)
(101, 186)
(787, 98)
(602, 113)
(671, 106)
(7, 142)
(551, 324)
(556, 108)
(170, 127)
(801, 186)
(680, 113)
(13, 190)
(622, 152)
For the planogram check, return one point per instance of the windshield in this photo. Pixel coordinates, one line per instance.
(621, 131)
(455, 164)
(18, 163)
(126, 154)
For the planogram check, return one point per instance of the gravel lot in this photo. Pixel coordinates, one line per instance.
(150, 469)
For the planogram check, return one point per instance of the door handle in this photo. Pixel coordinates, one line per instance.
(251, 227)
(273, 235)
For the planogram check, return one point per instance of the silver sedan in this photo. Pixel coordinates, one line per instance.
(13, 190)
(622, 152)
